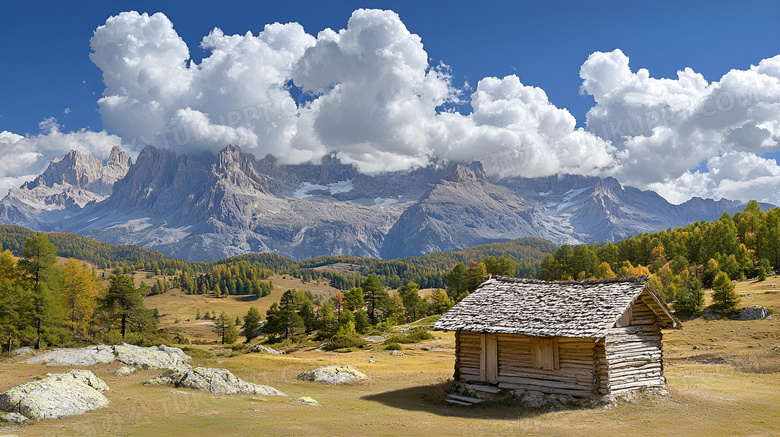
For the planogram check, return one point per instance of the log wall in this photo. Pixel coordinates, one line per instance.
(578, 359)
(634, 354)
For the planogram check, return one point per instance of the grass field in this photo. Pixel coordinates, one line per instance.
(404, 394)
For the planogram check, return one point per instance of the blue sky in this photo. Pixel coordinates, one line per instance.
(45, 46)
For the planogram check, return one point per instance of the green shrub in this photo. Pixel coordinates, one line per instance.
(341, 341)
(393, 347)
(413, 335)
(197, 353)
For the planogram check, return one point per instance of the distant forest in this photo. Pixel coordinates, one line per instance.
(235, 275)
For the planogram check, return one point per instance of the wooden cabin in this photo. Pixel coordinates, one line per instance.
(580, 338)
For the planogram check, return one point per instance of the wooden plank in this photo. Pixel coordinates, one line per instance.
(453, 401)
(571, 385)
(466, 399)
(578, 393)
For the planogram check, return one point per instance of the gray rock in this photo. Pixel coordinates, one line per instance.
(24, 351)
(756, 312)
(153, 357)
(58, 395)
(711, 313)
(160, 357)
(337, 375)
(13, 417)
(87, 356)
(308, 401)
(216, 381)
(124, 371)
(260, 347)
(396, 353)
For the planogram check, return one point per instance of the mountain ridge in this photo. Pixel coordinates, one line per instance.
(203, 207)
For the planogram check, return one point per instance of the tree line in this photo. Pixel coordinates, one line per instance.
(45, 304)
(684, 260)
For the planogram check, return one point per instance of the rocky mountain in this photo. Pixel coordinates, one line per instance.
(205, 207)
(64, 188)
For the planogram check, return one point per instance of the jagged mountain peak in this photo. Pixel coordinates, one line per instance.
(471, 172)
(204, 206)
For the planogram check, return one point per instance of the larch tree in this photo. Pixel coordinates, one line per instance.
(79, 289)
(251, 324)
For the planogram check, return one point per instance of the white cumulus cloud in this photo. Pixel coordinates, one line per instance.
(367, 91)
(663, 129)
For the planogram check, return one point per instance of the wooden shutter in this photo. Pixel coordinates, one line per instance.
(544, 353)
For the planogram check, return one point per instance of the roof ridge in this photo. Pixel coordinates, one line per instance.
(632, 279)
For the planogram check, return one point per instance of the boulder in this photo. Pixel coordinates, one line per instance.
(58, 395)
(260, 347)
(13, 417)
(337, 375)
(124, 371)
(212, 380)
(756, 312)
(86, 356)
(153, 357)
(24, 351)
(712, 313)
(159, 357)
(308, 401)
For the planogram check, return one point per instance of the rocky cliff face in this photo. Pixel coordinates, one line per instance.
(206, 207)
(65, 187)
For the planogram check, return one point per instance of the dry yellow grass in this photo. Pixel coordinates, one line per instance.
(403, 395)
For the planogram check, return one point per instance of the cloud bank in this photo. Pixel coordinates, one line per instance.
(23, 158)
(687, 137)
(370, 92)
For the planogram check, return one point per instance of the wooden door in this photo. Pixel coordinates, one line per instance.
(488, 366)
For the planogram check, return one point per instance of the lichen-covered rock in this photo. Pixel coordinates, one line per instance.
(160, 357)
(24, 351)
(153, 357)
(337, 375)
(58, 395)
(212, 380)
(13, 417)
(86, 356)
(756, 312)
(124, 371)
(260, 347)
(308, 401)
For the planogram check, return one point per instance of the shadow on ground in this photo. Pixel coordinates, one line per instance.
(431, 399)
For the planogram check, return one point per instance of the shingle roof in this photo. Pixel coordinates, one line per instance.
(585, 309)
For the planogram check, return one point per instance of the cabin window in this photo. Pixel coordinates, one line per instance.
(625, 319)
(544, 353)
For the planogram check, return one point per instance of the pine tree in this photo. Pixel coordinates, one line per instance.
(251, 324)
(724, 293)
(123, 300)
(375, 294)
(38, 257)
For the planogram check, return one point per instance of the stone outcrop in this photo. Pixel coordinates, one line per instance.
(216, 381)
(260, 347)
(337, 375)
(153, 357)
(756, 312)
(87, 356)
(58, 395)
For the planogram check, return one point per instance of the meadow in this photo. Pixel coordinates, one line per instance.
(723, 375)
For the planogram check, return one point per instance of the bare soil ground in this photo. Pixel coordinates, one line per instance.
(405, 394)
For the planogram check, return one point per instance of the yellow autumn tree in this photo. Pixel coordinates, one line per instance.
(79, 289)
(603, 271)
